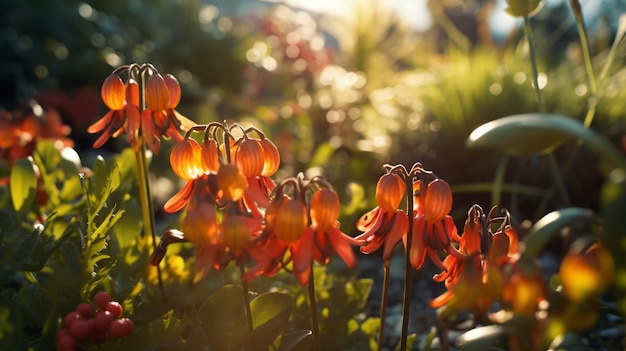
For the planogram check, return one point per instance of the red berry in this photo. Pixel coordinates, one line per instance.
(103, 319)
(119, 328)
(115, 308)
(101, 299)
(66, 343)
(84, 309)
(82, 329)
(70, 318)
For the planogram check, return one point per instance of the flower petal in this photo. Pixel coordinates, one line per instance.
(341, 246)
(302, 252)
(181, 198)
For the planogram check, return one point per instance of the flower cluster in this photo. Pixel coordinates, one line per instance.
(432, 229)
(234, 210)
(143, 107)
(21, 129)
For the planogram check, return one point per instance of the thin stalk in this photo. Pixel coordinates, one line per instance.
(408, 271)
(246, 304)
(313, 306)
(533, 63)
(145, 199)
(383, 303)
(584, 43)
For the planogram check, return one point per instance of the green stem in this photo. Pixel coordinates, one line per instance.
(145, 200)
(584, 43)
(408, 270)
(383, 303)
(313, 306)
(246, 303)
(533, 63)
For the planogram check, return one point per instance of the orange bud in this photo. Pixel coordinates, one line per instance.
(586, 274)
(437, 200)
(324, 209)
(210, 156)
(173, 89)
(291, 220)
(272, 210)
(249, 157)
(231, 182)
(389, 192)
(113, 92)
(157, 94)
(186, 159)
(271, 157)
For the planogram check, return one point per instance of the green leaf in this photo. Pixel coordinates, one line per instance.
(270, 314)
(483, 338)
(223, 317)
(540, 133)
(290, 340)
(550, 225)
(23, 185)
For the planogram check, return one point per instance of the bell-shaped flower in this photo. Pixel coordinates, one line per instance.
(385, 225)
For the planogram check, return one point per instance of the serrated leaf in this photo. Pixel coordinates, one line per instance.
(540, 133)
(550, 225)
(23, 183)
(270, 314)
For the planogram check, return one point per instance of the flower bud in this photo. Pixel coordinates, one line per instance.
(271, 157)
(324, 209)
(586, 274)
(173, 88)
(210, 156)
(113, 92)
(157, 94)
(437, 200)
(249, 157)
(389, 192)
(186, 159)
(235, 232)
(291, 220)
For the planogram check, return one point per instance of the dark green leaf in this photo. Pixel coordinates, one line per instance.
(550, 225)
(540, 133)
(270, 314)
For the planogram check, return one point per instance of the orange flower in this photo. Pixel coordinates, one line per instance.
(476, 280)
(306, 234)
(385, 224)
(433, 228)
(159, 119)
(123, 102)
(585, 273)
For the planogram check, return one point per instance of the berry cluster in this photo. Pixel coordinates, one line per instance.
(85, 325)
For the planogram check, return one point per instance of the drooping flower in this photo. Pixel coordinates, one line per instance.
(385, 225)
(123, 102)
(155, 118)
(296, 233)
(433, 228)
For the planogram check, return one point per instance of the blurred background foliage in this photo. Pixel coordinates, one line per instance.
(339, 94)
